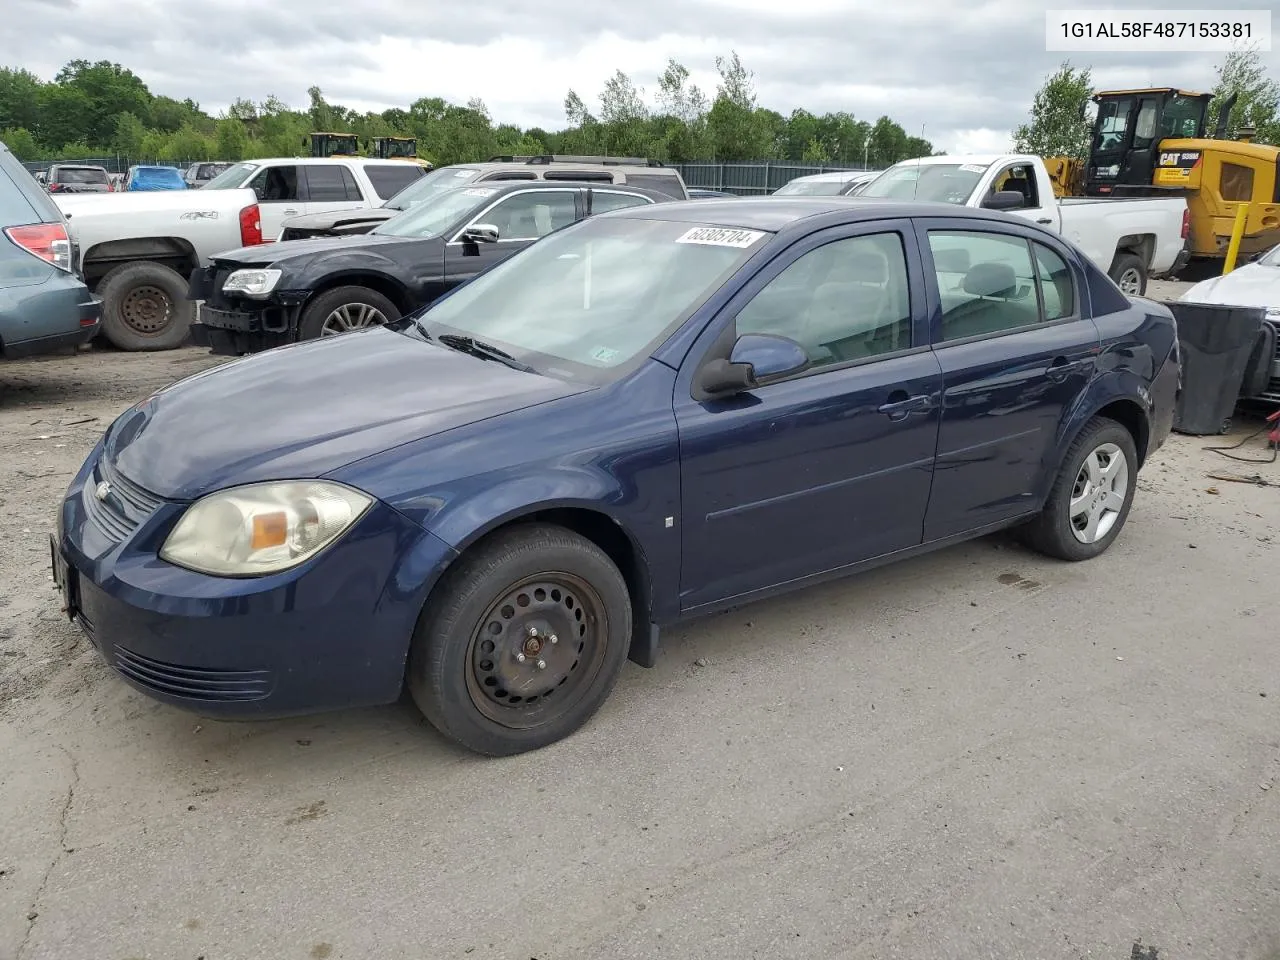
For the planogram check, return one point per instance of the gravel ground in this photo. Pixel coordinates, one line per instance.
(976, 753)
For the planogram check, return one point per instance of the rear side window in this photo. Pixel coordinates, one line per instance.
(389, 179)
(327, 184)
(985, 282)
(666, 184)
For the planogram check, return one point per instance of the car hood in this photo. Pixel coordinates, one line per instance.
(1253, 285)
(305, 410)
(287, 250)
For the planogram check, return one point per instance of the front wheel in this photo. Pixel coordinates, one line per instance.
(1091, 496)
(345, 310)
(522, 641)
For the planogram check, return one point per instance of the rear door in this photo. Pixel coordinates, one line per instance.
(520, 218)
(1016, 351)
(330, 187)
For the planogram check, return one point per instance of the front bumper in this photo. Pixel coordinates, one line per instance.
(330, 634)
(230, 326)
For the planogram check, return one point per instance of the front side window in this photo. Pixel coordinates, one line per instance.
(1113, 121)
(275, 185)
(528, 216)
(845, 300)
(1144, 129)
(1019, 179)
(985, 282)
(588, 301)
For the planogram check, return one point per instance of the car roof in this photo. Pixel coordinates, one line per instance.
(511, 186)
(841, 176)
(381, 161)
(488, 165)
(774, 213)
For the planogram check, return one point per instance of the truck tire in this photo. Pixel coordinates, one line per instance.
(145, 307)
(345, 310)
(1130, 274)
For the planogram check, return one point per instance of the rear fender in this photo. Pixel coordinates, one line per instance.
(1127, 399)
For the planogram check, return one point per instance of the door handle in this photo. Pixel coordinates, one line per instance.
(1045, 220)
(289, 213)
(900, 406)
(1062, 367)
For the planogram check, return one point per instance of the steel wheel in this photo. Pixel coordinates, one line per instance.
(536, 650)
(1098, 495)
(147, 310)
(351, 316)
(1130, 282)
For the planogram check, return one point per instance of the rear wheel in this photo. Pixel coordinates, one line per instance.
(345, 310)
(145, 307)
(1130, 274)
(522, 641)
(1091, 496)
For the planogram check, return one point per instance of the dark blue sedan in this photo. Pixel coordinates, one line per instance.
(643, 417)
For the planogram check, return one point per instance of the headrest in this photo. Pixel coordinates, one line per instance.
(955, 260)
(991, 280)
(867, 267)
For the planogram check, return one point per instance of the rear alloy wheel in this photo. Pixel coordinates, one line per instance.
(145, 307)
(1091, 496)
(1129, 274)
(345, 310)
(522, 641)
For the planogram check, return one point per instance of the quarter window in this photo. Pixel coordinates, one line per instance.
(1057, 290)
(528, 216)
(604, 201)
(846, 300)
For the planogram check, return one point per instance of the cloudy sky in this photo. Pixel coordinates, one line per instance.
(964, 70)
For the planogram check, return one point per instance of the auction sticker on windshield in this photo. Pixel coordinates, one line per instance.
(721, 237)
(478, 192)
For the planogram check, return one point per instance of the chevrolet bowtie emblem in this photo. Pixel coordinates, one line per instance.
(102, 490)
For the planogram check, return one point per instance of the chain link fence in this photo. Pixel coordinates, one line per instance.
(751, 178)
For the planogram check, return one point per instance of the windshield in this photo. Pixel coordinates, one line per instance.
(232, 177)
(431, 185)
(432, 219)
(937, 182)
(811, 188)
(583, 302)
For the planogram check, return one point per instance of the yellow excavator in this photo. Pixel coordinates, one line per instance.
(334, 145)
(1153, 142)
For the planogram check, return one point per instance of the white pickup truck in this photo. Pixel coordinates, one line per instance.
(1131, 240)
(138, 249)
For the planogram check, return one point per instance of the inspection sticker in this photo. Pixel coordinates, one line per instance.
(603, 355)
(972, 168)
(463, 173)
(721, 237)
(478, 192)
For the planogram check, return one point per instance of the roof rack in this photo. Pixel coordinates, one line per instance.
(547, 158)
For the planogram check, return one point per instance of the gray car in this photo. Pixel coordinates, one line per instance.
(44, 304)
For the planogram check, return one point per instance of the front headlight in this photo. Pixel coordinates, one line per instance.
(251, 283)
(263, 527)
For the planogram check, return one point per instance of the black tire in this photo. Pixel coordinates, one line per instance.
(535, 591)
(321, 307)
(1051, 532)
(1128, 263)
(145, 307)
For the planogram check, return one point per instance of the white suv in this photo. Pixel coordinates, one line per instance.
(293, 186)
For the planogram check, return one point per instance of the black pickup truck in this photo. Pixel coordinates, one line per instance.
(266, 296)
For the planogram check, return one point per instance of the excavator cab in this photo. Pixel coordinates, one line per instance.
(395, 148)
(1125, 151)
(334, 145)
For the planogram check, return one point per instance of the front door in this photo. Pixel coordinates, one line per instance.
(831, 466)
(520, 219)
(1015, 353)
(280, 191)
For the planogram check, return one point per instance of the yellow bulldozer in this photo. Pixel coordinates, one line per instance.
(1153, 142)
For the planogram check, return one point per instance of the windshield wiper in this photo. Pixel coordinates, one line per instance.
(478, 348)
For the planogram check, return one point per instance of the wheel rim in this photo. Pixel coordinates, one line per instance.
(352, 316)
(1130, 281)
(146, 310)
(536, 650)
(1098, 496)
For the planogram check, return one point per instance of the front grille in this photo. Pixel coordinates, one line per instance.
(1272, 392)
(193, 683)
(125, 506)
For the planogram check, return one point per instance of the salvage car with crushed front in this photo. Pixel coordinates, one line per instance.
(268, 295)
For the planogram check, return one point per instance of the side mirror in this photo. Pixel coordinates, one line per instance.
(481, 233)
(755, 358)
(1005, 200)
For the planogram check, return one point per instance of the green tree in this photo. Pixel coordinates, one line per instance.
(65, 115)
(734, 129)
(232, 141)
(1060, 124)
(22, 142)
(19, 98)
(129, 135)
(110, 90)
(1243, 74)
(815, 152)
(187, 144)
